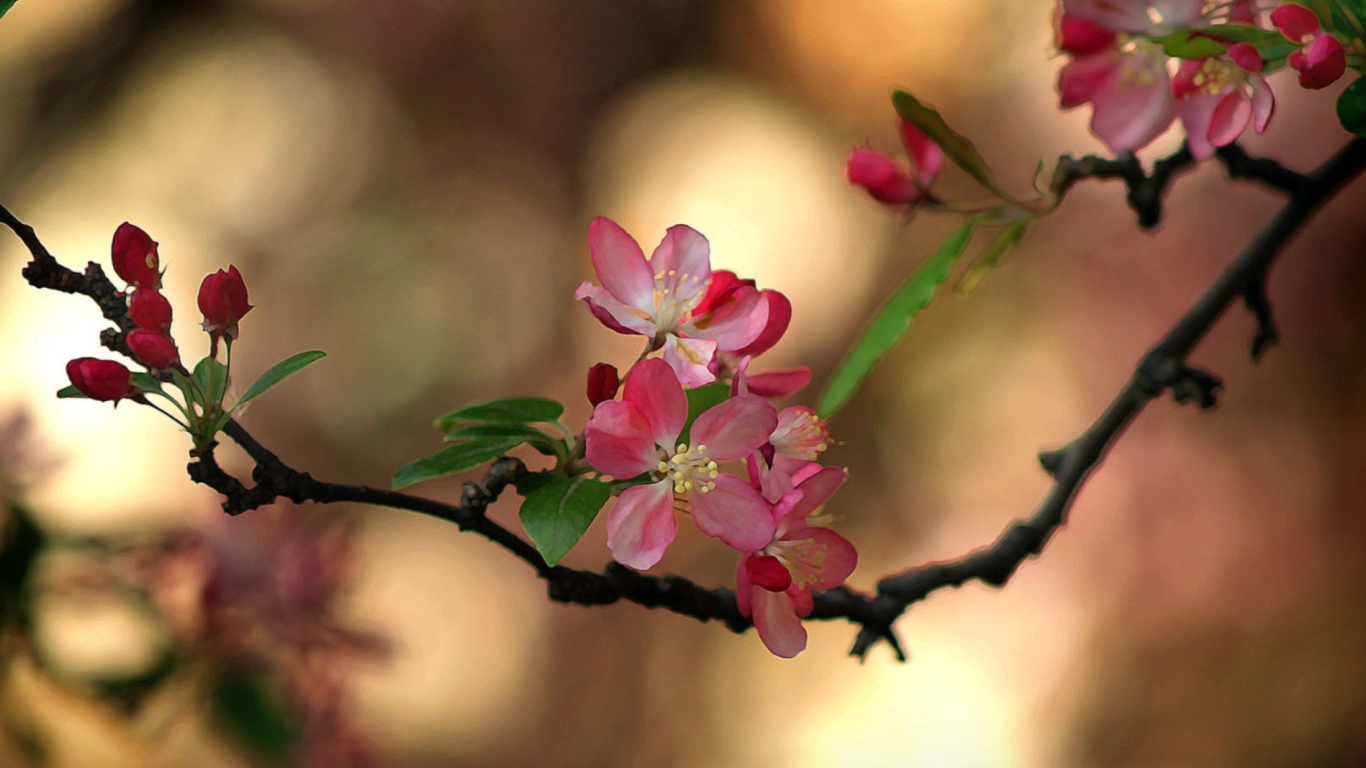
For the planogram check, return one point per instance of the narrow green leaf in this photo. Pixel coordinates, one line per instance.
(5, 5)
(281, 371)
(456, 458)
(556, 515)
(69, 392)
(894, 319)
(1004, 242)
(956, 146)
(1352, 107)
(703, 398)
(515, 410)
(530, 435)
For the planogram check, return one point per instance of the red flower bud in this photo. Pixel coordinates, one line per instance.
(223, 300)
(135, 257)
(149, 309)
(1321, 63)
(153, 349)
(100, 379)
(767, 572)
(602, 383)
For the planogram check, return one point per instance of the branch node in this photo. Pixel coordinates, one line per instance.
(1051, 461)
(1259, 304)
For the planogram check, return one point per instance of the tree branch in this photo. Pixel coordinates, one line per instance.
(1164, 368)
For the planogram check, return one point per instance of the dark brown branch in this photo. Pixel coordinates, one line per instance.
(1164, 368)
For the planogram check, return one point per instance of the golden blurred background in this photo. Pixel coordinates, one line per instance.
(407, 185)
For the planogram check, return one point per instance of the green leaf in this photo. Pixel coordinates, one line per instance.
(1189, 44)
(242, 704)
(1352, 107)
(703, 398)
(210, 376)
(956, 146)
(530, 435)
(70, 391)
(281, 371)
(5, 5)
(556, 514)
(514, 410)
(456, 458)
(1008, 239)
(894, 319)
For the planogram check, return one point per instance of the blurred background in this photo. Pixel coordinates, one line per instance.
(408, 185)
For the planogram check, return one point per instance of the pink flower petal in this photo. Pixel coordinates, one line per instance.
(735, 428)
(733, 512)
(776, 620)
(690, 359)
(801, 601)
(779, 317)
(613, 313)
(837, 560)
(1296, 22)
(1263, 103)
(734, 323)
(653, 388)
(816, 490)
(620, 264)
(1082, 36)
(1129, 116)
(926, 156)
(779, 382)
(742, 588)
(1242, 12)
(1197, 112)
(641, 525)
(1230, 117)
(618, 440)
(1082, 77)
(1246, 56)
(686, 254)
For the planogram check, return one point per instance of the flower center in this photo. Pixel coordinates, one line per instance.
(802, 435)
(676, 294)
(803, 558)
(690, 469)
(1215, 76)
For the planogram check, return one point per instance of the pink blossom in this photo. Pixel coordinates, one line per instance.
(659, 298)
(639, 434)
(886, 180)
(1217, 99)
(774, 584)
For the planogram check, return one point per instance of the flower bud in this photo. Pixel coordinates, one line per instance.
(602, 383)
(767, 572)
(153, 349)
(149, 309)
(223, 300)
(100, 379)
(1321, 63)
(135, 257)
(880, 175)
